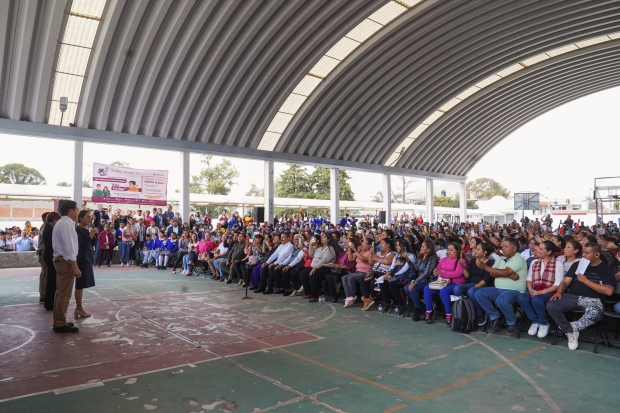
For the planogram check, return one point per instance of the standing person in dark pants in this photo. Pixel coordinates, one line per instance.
(65, 244)
(40, 248)
(105, 240)
(48, 257)
(84, 260)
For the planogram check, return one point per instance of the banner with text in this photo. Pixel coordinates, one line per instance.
(120, 185)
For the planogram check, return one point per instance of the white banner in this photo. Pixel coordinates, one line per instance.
(120, 185)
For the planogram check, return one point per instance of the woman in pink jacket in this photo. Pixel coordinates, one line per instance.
(450, 268)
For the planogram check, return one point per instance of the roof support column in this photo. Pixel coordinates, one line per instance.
(463, 201)
(269, 191)
(184, 198)
(430, 198)
(78, 161)
(387, 198)
(334, 199)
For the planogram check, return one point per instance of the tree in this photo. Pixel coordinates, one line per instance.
(20, 174)
(254, 191)
(293, 183)
(321, 182)
(486, 188)
(86, 184)
(63, 183)
(445, 201)
(378, 197)
(215, 179)
(122, 164)
(403, 191)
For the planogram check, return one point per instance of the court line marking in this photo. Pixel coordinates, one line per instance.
(395, 408)
(32, 334)
(78, 387)
(539, 389)
(323, 320)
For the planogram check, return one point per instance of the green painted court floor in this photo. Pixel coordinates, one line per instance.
(168, 343)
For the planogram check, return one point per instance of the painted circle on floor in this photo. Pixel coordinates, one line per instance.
(14, 337)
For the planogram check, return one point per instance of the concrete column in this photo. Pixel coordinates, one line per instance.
(184, 198)
(430, 197)
(78, 161)
(463, 201)
(269, 191)
(387, 197)
(334, 199)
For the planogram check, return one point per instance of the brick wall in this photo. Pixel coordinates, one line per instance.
(39, 211)
(22, 212)
(5, 210)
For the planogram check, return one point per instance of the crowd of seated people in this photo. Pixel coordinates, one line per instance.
(398, 266)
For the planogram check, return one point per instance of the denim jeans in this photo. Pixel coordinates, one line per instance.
(444, 294)
(535, 307)
(125, 249)
(471, 294)
(185, 261)
(349, 280)
(415, 293)
(216, 263)
(617, 308)
(504, 299)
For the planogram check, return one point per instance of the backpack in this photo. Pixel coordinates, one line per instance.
(463, 316)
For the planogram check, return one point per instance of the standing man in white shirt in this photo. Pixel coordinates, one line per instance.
(65, 243)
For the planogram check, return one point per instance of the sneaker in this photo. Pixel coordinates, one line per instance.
(348, 302)
(543, 330)
(493, 325)
(368, 302)
(121, 264)
(429, 317)
(573, 340)
(512, 328)
(482, 319)
(534, 329)
(449, 321)
(401, 311)
(385, 309)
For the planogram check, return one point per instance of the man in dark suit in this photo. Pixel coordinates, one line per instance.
(101, 214)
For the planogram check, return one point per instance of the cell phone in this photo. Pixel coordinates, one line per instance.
(313, 240)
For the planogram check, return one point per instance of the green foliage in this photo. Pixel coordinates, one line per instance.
(486, 188)
(19, 174)
(63, 183)
(446, 201)
(254, 191)
(86, 184)
(296, 182)
(215, 179)
(121, 164)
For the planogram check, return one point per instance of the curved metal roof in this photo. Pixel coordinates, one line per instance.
(218, 73)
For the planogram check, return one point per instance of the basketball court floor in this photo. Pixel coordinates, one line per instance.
(170, 343)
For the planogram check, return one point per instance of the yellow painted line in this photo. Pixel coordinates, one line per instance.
(393, 409)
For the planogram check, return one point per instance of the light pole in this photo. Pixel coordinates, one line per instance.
(63, 107)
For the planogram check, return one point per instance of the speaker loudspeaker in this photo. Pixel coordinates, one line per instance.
(382, 217)
(259, 215)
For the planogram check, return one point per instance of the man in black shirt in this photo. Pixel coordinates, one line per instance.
(569, 222)
(587, 293)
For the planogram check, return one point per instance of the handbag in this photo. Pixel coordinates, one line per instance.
(438, 285)
(370, 275)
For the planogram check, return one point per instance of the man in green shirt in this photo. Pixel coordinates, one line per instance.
(97, 191)
(510, 273)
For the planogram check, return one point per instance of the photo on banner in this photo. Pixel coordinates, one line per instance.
(120, 185)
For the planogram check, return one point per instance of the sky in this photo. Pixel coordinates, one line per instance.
(557, 154)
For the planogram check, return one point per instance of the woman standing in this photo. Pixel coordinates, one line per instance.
(126, 239)
(106, 244)
(84, 260)
(48, 256)
(322, 255)
(224, 219)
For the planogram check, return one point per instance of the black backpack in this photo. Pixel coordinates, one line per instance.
(463, 316)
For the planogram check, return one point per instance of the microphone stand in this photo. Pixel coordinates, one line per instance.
(245, 277)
